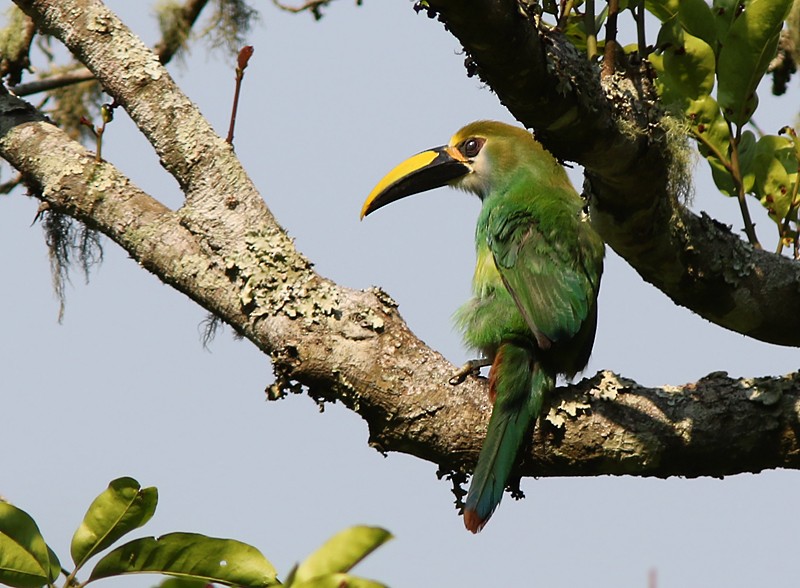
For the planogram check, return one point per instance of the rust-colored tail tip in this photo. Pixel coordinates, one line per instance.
(473, 522)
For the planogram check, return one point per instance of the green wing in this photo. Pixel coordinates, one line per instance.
(551, 264)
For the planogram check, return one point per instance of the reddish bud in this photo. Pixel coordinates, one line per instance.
(244, 56)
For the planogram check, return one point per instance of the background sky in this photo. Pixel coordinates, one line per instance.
(124, 386)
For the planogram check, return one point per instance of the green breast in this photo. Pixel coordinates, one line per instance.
(491, 316)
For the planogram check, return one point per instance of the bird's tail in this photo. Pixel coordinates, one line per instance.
(517, 385)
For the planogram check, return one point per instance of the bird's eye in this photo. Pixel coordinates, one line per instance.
(471, 147)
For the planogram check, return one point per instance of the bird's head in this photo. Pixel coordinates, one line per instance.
(476, 159)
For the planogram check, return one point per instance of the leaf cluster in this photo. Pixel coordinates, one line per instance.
(191, 559)
(710, 61)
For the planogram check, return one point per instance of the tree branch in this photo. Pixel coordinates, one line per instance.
(635, 169)
(224, 249)
(81, 74)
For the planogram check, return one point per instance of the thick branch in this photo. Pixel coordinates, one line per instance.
(633, 170)
(225, 251)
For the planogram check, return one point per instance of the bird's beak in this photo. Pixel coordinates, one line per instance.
(424, 171)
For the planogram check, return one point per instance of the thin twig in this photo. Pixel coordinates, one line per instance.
(749, 228)
(244, 57)
(53, 83)
(6, 188)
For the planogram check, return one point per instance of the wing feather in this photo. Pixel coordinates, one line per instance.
(547, 273)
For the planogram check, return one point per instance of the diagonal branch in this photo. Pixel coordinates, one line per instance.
(634, 169)
(225, 251)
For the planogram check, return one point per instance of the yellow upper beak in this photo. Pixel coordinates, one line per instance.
(424, 171)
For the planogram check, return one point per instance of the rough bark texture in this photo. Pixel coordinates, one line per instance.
(224, 249)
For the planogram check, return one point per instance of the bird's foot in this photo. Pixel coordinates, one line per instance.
(471, 368)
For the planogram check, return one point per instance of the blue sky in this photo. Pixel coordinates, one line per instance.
(124, 386)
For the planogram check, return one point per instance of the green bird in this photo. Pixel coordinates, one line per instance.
(533, 313)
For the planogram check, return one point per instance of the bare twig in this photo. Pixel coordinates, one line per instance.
(741, 197)
(6, 187)
(241, 65)
(53, 83)
(107, 115)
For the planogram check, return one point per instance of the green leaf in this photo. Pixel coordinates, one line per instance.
(696, 18)
(55, 565)
(121, 508)
(689, 68)
(340, 553)
(190, 556)
(181, 583)
(709, 127)
(748, 48)
(721, 176)
(663, 10)
(25, 559)
(775, 169)
(338, 581)
(747, 151)
(724, 13)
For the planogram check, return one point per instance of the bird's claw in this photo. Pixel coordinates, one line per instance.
(471, 368)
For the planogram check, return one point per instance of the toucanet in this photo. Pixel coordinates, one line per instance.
(533, 313)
